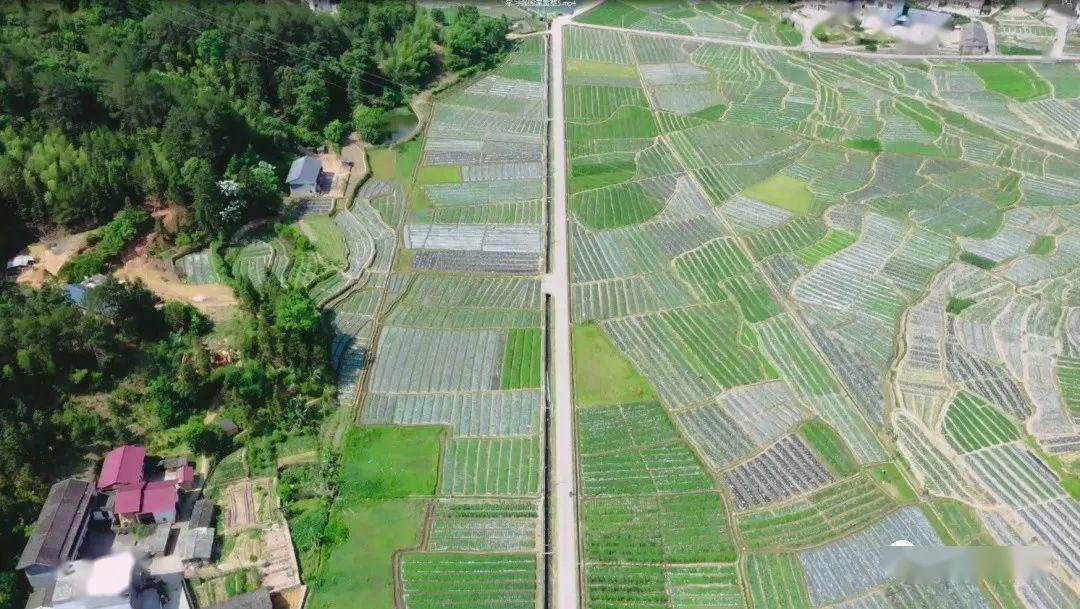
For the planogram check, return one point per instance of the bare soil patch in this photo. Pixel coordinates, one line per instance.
(163, 282)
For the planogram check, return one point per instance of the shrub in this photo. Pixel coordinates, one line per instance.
(109, 244)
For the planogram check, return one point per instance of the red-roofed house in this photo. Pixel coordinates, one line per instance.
(123, 466)
(128, 501)
(151, 502)
(159, 500)
(183, 475)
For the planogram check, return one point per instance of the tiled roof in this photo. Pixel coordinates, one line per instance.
(57, 525)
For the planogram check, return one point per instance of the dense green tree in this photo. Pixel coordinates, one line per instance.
(211, 45)
(474, 39)
(183, 318)
(410, 58)
(205, 439)
(107, 105)
(311, 110)
(370, 123)
(129, 306)
(334, 133)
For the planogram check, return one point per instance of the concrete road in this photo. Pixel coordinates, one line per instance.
(557, 285)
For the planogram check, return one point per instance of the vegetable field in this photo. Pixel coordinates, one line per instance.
(828, 301)
(438, 324)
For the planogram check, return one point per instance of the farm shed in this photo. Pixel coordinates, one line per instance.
(973, 40)
(58, 533)
(18, 263)
(303, 176)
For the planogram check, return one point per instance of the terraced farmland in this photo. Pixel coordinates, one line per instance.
(440, 323)
(848, 287)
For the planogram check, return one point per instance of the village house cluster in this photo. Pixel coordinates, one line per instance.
(90, 548)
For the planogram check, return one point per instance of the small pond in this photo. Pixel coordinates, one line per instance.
(400, 122)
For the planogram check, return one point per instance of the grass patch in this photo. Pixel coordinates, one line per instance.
(307, 522)
(359, 572)
(977, 260)
(397, 162)
(327, 239)
(956, 306)
(866, 144)
(1015, 80)
(521, 363)
(386, 478)
(602, 375)
(585, 67)
(1043, 245)
(419, 200)
(783, 191)
(889, 475)
(383, 462)
(1016, 49)
(439, 174)
(830, 446)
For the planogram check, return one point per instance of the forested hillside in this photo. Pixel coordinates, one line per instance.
(111, 108)
(111, 102)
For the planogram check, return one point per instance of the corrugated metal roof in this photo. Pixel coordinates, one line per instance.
(159, 497)
(123, 465)
(304, 170)
(57, 525)
(129, 499)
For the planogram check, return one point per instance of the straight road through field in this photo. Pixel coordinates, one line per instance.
(557, 285)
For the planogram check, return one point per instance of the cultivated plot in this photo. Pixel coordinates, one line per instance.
(839, 291)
